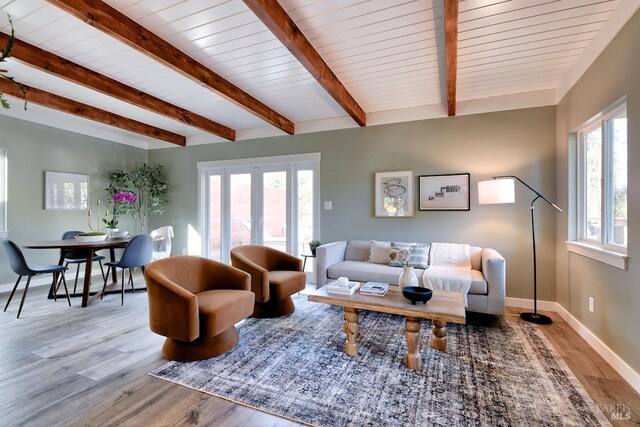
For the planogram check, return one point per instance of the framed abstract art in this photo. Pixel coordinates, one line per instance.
(394, 194)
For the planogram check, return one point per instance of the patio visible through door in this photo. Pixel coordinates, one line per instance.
(272, 201)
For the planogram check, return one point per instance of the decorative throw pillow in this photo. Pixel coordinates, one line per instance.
(402, 245)
(379, 252)
(398, 246)
(419, 256)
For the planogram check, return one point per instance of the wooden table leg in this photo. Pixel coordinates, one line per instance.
(87, 278)
(350, 327)
(114, 273)
(413, 359)
(439, 330)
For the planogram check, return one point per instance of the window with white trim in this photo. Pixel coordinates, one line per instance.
(602, 180)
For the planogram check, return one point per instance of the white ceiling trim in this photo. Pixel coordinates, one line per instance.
(59, 120)
(515, 101)
(623, 12)
(531, 99)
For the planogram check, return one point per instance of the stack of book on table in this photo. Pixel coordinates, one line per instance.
(343, 287)
(374, 288)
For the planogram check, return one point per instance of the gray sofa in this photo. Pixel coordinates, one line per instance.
(349, 259)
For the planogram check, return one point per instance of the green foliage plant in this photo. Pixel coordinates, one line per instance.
(147, 183)
(4, 55)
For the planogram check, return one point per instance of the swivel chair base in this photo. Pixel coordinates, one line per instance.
(273, 308)
(200, 348)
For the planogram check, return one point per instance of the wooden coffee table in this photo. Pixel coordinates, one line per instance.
(442, 308)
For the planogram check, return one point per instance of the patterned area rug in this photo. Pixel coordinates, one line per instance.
(494, 373)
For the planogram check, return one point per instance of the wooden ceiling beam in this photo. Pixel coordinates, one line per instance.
(56, 102)
(60, 67)
(451, 52)
(282, 26)
(114, 23)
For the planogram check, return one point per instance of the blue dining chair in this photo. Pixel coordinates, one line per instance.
(138, 253)
(77, 256)
(21, 268)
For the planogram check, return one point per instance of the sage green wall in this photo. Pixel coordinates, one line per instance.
(616, 292)
(33, 149)
(520, 142)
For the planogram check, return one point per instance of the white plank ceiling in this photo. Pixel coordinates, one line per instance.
(389, 54)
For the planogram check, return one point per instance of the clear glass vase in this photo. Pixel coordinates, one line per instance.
(407, 277)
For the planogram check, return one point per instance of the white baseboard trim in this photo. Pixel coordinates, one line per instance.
(616, 362)
(45, 280)
(528, 303)
(626, 371)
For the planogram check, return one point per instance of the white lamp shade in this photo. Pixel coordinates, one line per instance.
(496, 191)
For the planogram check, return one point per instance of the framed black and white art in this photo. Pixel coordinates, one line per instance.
(449, 192)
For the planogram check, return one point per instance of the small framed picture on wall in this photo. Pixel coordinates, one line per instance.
(66, 190)
(449, 192)
(394, 194)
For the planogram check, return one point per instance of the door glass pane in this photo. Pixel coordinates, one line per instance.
(305, 212)
(240, 209)
(618, 208)
(593, 189)
(274, 232)
(215, 219)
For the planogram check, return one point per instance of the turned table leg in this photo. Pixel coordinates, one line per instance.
(350, 327)
(413, 359)
(439, 330)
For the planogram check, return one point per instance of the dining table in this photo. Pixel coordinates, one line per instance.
(91, 249)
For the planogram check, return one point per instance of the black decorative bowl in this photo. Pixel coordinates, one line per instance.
(416, 293)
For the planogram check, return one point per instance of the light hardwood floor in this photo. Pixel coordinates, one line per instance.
(75, 366)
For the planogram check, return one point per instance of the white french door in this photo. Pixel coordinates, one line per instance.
(271, 201)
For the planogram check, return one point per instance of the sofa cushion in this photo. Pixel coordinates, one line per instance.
(478, 283)
(475, 253)
(379, 253)
(419, 256)
(369, 272)
(357, 250)
(402, 245)
(398, 246)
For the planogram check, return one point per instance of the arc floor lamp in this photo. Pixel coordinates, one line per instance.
(501, 189)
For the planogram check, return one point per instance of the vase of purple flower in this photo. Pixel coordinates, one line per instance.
(121, 201)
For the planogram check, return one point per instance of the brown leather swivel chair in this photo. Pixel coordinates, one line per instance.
(275, 276)
(195, 302)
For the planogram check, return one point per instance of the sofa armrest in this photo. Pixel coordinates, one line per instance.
(327, 255)
(173, 310)
(494, 271)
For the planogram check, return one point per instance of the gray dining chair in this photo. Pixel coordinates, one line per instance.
(77, 256)
(19, 266)
(138, 253)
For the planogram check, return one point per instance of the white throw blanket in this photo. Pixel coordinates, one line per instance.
(449, 269)
(162, 247)
(450, 255)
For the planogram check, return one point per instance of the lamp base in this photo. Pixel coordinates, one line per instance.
(540, 319)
